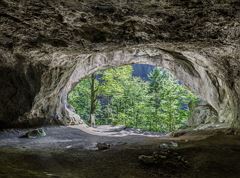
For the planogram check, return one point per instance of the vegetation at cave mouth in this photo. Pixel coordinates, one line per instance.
(115, 96)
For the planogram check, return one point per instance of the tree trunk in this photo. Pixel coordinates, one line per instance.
(93, 104)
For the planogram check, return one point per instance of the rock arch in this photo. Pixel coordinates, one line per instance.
(42, 44)
(198, 73)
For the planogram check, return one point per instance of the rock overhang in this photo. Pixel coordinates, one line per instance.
(44, 43)
(191, 66)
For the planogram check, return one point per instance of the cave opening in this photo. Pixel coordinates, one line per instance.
(208, 112)
(141, 97)
(49, 48)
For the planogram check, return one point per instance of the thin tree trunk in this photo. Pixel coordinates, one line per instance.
(136, 121)
(93, 101)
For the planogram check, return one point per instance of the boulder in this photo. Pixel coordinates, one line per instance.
(36, 133)
(103, 146)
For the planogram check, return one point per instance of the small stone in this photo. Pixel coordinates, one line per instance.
(174, 144)
(162, 157)
(34, 133)
(163, 146)
(170, 145)
(178, 133)
(103, 146)
(147, 159)
(155, 154)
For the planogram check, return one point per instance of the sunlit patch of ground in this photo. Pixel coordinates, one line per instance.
(117, 131)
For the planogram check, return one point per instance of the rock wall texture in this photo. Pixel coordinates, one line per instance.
(46, 47)
(203, 113)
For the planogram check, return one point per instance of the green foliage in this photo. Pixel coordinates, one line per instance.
(167, 100)
(113, 80)
(80, 98)
(160, 104)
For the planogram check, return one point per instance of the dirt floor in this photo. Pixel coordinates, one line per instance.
(69, 152)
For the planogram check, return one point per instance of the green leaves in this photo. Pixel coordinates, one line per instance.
(160, 104)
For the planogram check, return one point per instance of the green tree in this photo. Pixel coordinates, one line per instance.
(93, 98)
(168, 98)
(84, 98)
(116, 97)
(129, 106)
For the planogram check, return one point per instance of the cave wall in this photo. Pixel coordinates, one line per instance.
(66, 70)
(202, 113)
(47, 46)
(19, 84)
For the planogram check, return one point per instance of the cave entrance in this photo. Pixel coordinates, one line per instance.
(182, 65)
(136, 96)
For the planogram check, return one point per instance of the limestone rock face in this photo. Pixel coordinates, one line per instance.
(203, 113)
(46, 47)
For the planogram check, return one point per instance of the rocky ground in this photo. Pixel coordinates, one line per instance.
(70, 152)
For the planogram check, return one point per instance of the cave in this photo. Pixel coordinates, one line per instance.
(125, 82)
(46, 48)
(50, 104)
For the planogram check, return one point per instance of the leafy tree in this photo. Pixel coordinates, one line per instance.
(84, 98)
(167, 98)
(131, 103)
(117, 97)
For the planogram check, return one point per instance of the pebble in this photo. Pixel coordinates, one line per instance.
(103, 146)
